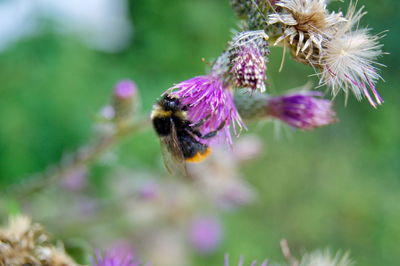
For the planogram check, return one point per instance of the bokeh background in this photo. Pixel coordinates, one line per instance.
(334, 187)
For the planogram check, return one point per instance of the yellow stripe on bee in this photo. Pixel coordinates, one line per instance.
(160, 113)
(200, 156)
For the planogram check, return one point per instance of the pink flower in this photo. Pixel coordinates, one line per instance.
(206, 97)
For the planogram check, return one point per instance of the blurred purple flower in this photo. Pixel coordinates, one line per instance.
(107, 112)
(302, 110)
(206, 96)
(205, 234)
(86, 207)
(75, 179)
(117, 256)
(125, 89)
(124, 102)
(148, 190)
(248, 148)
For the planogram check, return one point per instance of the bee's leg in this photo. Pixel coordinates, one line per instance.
(213, 133)
(194, 131)
(201, 122)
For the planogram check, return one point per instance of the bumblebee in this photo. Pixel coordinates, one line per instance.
(179, 137)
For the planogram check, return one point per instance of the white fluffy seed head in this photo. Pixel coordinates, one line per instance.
(325, 258)
(350, 60)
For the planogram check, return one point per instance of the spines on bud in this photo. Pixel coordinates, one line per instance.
(254, 11)
(247, 59)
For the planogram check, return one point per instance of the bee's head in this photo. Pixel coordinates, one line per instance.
(170, 102)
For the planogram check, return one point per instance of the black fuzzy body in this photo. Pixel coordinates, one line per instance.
(170, 123)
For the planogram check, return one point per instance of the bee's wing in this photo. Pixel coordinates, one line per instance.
(172, 154)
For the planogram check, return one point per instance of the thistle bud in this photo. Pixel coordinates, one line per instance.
(248, 53)
(255, 11)
(257, 14)
(123, 103)
(241, 7)
(301, 110)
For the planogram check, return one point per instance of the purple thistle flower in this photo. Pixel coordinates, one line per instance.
(205, 234)
(115, 257)
(75, 179)
(302, 110)
(206, 96)
(125, 89)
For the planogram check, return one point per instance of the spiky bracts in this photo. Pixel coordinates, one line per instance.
(253, 11)
(248, 56)
(306, 25)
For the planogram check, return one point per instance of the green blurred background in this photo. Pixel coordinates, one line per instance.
(336, 186)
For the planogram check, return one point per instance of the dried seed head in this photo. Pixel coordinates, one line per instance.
(325, 258)
(52, 256)
(349, 62)
(24, 243)
(306, 25)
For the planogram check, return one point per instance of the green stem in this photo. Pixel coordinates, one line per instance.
(82, 156)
